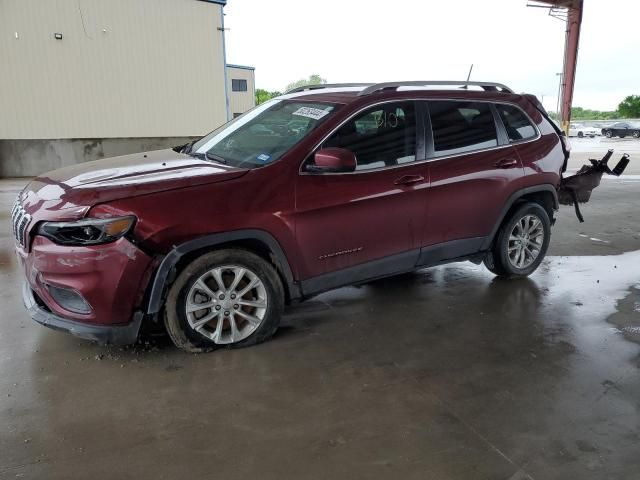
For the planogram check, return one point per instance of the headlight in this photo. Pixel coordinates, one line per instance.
(90, 231)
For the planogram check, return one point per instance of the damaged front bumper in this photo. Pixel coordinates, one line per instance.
(102, 334)
(577, 188)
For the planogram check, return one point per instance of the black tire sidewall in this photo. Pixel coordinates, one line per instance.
(500, 251)
(175, 317)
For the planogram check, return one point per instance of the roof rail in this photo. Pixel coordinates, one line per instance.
(489, 86)
(327, 85)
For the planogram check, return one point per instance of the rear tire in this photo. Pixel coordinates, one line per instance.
(521, 242)
(608, 134)
(580, 134)
(226, 298)
(636, 134)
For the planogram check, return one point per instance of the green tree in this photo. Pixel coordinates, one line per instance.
(263, 95)
(630, 107)
(579, 113)
(314, 79)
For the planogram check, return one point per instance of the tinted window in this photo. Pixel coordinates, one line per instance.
(461, 127)
(380, 137)
(517, 124)
(238, 85)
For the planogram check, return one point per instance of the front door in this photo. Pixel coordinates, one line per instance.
(367, 221)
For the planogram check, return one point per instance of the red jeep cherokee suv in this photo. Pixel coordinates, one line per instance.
(323, 187)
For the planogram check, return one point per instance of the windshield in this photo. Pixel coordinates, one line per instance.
(263, 134)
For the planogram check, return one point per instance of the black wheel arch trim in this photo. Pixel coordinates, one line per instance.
(515, 196)
(161, 277)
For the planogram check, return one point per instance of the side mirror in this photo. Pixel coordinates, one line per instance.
(332, 160)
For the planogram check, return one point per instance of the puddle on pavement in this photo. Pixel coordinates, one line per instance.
(575, 292)
(627, 317)
(606, 287)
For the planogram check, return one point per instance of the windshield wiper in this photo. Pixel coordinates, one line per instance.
(186, 148)
(215, 158)
(208, 156)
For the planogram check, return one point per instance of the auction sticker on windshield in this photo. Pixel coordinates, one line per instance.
(310, 112)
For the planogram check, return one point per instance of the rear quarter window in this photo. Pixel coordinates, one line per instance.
(516, 123)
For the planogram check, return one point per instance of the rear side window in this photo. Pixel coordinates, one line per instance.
(516, 123)
(460, 127)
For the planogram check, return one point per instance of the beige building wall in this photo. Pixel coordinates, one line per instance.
(123, 68)
(240, 102)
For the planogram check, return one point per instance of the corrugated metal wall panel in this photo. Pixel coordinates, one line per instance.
(240, 102)
(143, 68)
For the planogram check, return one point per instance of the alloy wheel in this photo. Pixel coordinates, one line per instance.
(525, 241)
(226, 304)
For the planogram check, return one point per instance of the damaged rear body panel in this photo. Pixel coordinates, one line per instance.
(577, 188)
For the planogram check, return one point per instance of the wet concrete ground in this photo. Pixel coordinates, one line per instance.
(443, 374)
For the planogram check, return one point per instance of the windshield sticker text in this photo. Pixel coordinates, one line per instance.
(309, 112)
(264, 157)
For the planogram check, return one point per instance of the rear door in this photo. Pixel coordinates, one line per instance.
(473, 167)
(374, 214)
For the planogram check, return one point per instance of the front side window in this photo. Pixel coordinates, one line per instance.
(238, 85)
(460, 127)
(263, 134)
(517, 124)
(382, 136)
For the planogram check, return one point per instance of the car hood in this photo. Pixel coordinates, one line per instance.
(69, 192)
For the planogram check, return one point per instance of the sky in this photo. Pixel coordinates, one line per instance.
(376, 41)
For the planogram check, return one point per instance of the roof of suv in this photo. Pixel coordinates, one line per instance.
(347, 93)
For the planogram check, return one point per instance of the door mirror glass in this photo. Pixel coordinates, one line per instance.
(332, 160)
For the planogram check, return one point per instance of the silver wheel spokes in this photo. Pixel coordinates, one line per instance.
(226, 304)
(525, 241)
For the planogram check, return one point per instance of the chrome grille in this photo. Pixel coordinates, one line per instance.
(20, 221)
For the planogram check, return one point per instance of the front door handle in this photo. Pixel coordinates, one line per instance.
(409, 180)
(507, 163)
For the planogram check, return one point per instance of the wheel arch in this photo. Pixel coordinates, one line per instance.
(545, 195)
(259, 242)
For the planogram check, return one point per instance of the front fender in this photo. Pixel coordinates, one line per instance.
(168, 263)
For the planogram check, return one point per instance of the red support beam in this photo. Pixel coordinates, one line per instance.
(572, 40)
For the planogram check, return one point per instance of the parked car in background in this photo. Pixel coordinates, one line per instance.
(579, 130)
(308, 192)
(622, 129)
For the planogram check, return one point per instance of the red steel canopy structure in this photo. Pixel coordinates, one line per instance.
(572, 11)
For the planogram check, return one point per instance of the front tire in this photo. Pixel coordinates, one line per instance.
(226, 298)
(521, 242)
(580, 134)
(636, 134)
(608, 134)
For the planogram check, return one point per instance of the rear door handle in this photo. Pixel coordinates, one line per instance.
(507, 163)
(409, 180)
